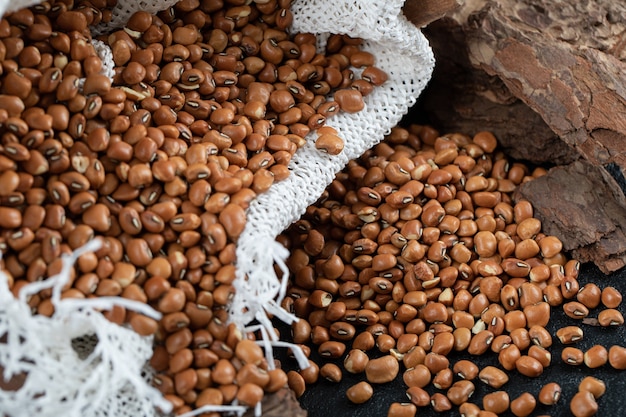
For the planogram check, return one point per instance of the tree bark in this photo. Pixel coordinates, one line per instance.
(281, 403)
(549, 79)
(588, 215)
(422, 12)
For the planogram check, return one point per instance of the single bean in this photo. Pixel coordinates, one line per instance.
(523, 405)
(596, 356)
(611, 297)
(460, 392)
(570, 334)
(595, 386)
(401, 410)
(249, 394)
(572, 356)
(497, 402)
(617, 357)
(589, 295)
(493, 377)
(550, 393)
(356, 361)
(583, 404)
(360, 393)
(381, 370)
(610, 317)
(331, 372)
(528, 366)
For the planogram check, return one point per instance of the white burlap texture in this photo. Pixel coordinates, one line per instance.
(105, 375)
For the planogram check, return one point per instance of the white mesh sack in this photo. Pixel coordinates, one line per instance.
(78, 363)
(403, 52)
(7, 6)
(75, 363)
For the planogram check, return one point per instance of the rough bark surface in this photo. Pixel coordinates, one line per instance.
(282, 403)
(588, 217)
(462, 97)
(562, 59)
(422, 12)
(549, 79)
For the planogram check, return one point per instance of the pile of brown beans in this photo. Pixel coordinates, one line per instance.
(209, 101)
(417, 251)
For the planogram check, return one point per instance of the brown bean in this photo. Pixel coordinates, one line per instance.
(596, 356)
(460, 392)
(210, 396)
(173, 300)
(529, 366)
(523, 405)
(178, 340)
(381, 370)
(537, 314)
(233, 218)
(610, 317)
(468, 409)
(480, 342)
(435, 313)
(350, 101)
(570, 334)
(144, 326)
(443, 343)
(296, 383)
(611, 297)
(540, 336)
(583, 404)
(575, 310)
(331, 349)
(356, 361)
(572, 356)
(617, 357)
(360, 393)
(549, 394)
(465, 369)
(330, 144)
(249, 394)
(497, 402)
(10, 218)
(595, 386)
(493, 377)
(278, 379)
(364, 341)
(249, 351)
(569, 287)
(528, 228)
(440, 402)
(418, 376)
(331, 372)
(541, 354)
(401, 410)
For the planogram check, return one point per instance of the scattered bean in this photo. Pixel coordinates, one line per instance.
(523, 405)
(550, 393)
(594, 385)
(596, 356)
(360, 393)
(583, 404)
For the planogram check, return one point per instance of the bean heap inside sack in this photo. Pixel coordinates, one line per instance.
(416, 251)
(208, 102)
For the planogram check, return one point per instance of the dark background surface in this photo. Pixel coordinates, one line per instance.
(329, 399)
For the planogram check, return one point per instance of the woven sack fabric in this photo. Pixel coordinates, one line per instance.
(77, 363)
